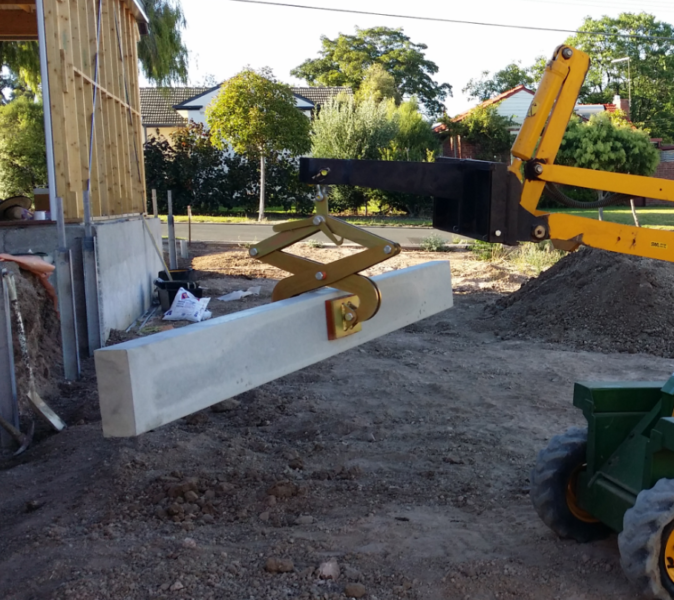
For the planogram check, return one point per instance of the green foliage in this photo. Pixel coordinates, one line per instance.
(506, 79)
(373, 131)
(651, 67)
(433, 243)
(20, 62)
(256, 116)
(377, 85)
(530, 258)
(23, 164)
(487, 130)
(162, 53)
(608, 143)
(212, 180)
(345, 60)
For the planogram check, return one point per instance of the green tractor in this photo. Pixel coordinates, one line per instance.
(617, 475)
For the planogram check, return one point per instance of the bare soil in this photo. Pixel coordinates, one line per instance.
(405, 460)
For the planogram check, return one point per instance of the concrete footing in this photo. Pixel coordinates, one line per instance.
(151, 381)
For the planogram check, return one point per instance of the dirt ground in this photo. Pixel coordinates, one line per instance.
(404, 461)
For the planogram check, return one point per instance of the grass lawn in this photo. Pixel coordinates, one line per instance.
(657, 217)
(278, 217)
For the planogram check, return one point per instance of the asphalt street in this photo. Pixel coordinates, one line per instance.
(245, 233)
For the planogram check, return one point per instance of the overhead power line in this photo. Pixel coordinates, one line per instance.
(456, 21)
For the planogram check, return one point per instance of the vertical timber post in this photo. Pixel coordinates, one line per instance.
(9, 408)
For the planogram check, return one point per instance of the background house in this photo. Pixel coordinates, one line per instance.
(164, 110)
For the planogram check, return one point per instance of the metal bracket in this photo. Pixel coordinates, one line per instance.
(342, 317)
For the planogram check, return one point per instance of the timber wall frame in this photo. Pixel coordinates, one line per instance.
(117, 175)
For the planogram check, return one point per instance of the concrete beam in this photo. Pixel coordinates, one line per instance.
(151, 381)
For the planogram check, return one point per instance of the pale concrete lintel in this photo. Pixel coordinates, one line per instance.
(149, 382)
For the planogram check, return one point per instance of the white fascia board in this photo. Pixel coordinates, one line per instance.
(151, 381)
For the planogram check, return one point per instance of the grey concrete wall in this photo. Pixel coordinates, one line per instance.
(127, 267)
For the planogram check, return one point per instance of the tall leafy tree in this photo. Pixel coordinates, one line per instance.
(507, 78)
(23, 165)
(162, 53)
(256, 116)
(651, 67)
(345, 60)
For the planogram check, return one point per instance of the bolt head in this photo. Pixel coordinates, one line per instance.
(253, 252)
(388, 249)
(317, 220)
(538, 168)
(349, 316)
(497, 233)
(539, 232)
(567, 53)
(320, 275)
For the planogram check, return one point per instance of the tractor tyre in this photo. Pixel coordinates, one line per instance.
(553, 488)
(647, 541)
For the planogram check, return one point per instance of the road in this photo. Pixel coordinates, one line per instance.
(246, 233)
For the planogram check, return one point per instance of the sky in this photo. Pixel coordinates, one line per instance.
(224, 36)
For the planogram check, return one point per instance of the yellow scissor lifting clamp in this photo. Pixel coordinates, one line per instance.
(342, 274)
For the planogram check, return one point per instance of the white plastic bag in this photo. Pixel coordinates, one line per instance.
(187, 307)
(251, 291)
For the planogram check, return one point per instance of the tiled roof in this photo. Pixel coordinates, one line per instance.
(156, 105)
(319, 95)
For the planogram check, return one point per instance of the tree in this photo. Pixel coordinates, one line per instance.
(607, 142)
(377, 85)
(506, 79)
(23, 164)
(257, 117)
(651, 67)
(162, 53)
(486, 130)
(345, 61)
(371, 130)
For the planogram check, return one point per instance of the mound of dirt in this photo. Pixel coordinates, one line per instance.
(596, 300)
(43, 335)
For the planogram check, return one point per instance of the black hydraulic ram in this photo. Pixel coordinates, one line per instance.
(473, 198)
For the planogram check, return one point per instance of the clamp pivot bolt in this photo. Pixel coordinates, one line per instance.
(567, 53)
(387, 249)
(253, 252)
(318, 220)
(538, 169)
(321, 275)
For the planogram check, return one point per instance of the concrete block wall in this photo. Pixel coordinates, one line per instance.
(127, 266)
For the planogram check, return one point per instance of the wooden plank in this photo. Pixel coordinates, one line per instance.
(56, 97)
(18, 25)
(72, 199)
(79, 38)
(126, 122)
(138, 126)
(99, 199)
(152, 381)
